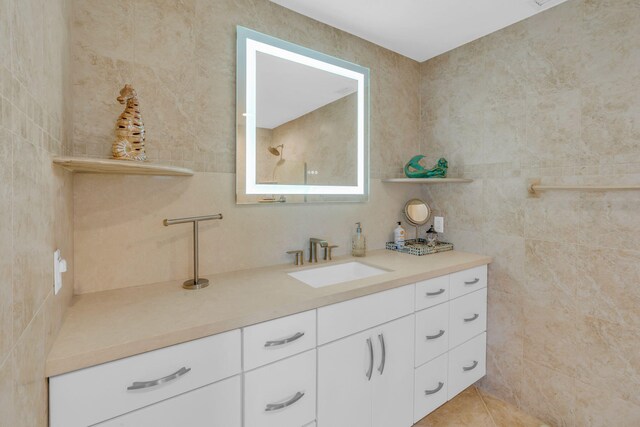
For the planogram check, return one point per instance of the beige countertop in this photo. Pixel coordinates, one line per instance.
(105, 326)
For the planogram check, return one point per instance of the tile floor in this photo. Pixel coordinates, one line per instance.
(474, 408)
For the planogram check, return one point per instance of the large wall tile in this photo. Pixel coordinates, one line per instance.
(595, 408)
(548, 395)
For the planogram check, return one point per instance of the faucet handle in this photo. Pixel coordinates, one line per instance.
(299, 254)
(327, 251)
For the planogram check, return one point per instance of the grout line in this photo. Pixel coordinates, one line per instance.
(486, 408)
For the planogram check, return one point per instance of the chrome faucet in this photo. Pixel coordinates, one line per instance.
(313, 248)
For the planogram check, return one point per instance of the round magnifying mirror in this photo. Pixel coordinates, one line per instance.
(417, 212)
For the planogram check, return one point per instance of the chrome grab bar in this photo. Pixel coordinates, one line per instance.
(139, 385)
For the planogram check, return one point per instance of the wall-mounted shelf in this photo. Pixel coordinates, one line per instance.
(124, 167)
(428, 180)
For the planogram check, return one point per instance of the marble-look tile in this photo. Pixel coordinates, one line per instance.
(506, 415)
(553, 127)
(105, 28)
(27, 47)
(505, 322)
(618, 220)
(504, 377)
(595, 408)
(6, 245)
(30, 383)
(507, 272)
(503, 206)
(504, 131)
(608, 281)
(5, 33)
(31, 238)
(550, 270)
(6, 392)
(608, 358)
(548, 395)
(555, 218)
(466, 409)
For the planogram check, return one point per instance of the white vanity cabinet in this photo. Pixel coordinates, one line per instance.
(213, 405)
(366, 379)
(382, 360)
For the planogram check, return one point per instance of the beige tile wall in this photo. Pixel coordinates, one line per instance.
(555, 97)
(36, 200)
(181, 60)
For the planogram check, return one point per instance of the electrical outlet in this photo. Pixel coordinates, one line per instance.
(59, 267)
(438, 224)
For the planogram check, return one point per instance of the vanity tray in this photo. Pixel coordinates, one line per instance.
(419, 247)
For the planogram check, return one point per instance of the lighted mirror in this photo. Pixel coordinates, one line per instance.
(302, 124)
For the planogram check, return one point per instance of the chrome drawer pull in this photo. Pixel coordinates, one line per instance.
(471, 319)
(276, 406)
(292, 338)
(433, 294)
(138, 385)
(370, 371)
(473, 282)
(469, 368)
(435, 390)
(384, 354)
(438, 335)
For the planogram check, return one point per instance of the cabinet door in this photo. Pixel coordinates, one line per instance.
(345, 371)
(393, 374)
(215, 405)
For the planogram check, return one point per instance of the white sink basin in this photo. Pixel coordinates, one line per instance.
(334, 274)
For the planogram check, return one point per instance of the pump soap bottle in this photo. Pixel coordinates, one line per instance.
(358, 242)
(398, 236)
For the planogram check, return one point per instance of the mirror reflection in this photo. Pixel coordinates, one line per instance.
(302, 131)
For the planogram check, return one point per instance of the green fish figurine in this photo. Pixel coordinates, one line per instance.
(413, 169)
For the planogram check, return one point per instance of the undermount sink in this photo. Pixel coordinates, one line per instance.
(337, 273)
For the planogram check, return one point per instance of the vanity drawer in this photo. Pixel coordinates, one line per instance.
(282, 394)
(467, 281)
(348, 317)
(91, 395)
(432, 292)
(432, 333)
(430, 387)
(217, 404)
(467, 317)
(276, 339)
(467, 364)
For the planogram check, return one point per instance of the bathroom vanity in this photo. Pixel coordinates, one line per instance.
(260, 348)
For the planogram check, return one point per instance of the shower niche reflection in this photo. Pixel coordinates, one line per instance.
(302, 124)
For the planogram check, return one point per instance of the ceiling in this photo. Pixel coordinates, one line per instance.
(418, 29)
(287, 90)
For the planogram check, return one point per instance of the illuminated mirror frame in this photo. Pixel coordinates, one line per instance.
(249, 43)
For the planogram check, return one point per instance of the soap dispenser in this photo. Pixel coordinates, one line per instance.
(358, 242)
(398, 236)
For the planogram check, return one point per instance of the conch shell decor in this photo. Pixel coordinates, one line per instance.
(129, 143)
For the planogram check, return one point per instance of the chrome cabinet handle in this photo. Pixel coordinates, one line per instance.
(384, 354)
(370, 370)
(276, 406)
(471, 319)
(435, 390)
(473, 282)
(138, 385)
(469, 368)
(433, 294)
(438, 335)
(284, 341)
